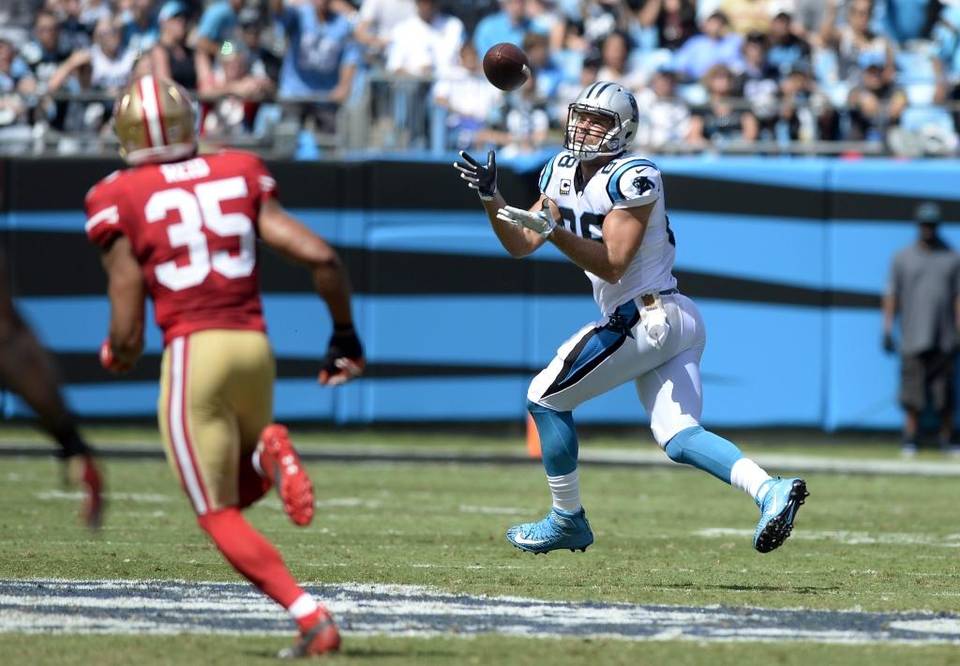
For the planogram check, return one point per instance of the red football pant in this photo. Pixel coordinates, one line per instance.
(251, 554)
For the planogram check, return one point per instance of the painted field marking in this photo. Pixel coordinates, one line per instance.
(493, 510)
(168, 607)
(375, 455)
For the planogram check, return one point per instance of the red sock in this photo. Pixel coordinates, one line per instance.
(251, 554)
(250, 484)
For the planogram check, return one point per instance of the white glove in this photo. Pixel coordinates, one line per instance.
(655, 323)
(541, 221)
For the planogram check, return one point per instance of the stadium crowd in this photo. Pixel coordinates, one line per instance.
(706, 72)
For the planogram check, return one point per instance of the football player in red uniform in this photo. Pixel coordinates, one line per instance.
(27, 370)
(183, 228)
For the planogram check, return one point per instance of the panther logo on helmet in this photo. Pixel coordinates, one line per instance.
(154, 122)
(587, 137)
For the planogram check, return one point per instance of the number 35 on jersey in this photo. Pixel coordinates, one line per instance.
(193, 226)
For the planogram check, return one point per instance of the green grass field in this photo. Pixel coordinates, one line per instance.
(663, 537)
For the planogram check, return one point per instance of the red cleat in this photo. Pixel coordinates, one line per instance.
(82, 470)
(320, 638)
(280, 462)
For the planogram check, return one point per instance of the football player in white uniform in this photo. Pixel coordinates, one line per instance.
(604, 208)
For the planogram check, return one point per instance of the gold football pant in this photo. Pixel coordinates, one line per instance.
(216, 396)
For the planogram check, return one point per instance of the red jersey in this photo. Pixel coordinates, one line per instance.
(193, 229)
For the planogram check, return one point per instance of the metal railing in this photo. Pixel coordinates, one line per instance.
(397, 114)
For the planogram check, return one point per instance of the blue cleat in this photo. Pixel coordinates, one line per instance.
(778, 511)
(557, 530)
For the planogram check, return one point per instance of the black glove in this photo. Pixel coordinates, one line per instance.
(344, 359)
(481, 178)
(889, 345)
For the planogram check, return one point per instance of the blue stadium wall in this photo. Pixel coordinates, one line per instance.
(786, 258)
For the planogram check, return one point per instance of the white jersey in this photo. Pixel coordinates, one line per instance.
(627, 181)
(111, 73)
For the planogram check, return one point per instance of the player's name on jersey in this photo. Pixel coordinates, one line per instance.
(179, 172)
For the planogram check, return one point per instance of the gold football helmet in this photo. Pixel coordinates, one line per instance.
(154, 122)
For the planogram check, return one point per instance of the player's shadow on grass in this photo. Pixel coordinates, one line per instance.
(351, 652)
(796, 589)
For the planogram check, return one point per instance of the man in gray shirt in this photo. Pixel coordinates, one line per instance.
(924, 289)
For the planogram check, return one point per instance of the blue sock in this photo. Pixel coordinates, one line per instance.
(558, 439)
(704, 450)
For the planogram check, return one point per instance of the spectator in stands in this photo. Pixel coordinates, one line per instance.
(759, 81)
(906, 20)
(217, 25)
(664, 119)
(808, 16)
(786, 47)
(854, 39)
(946, 50)
(171, 57)
(426, 44)
(719, 120)
(601, 17)
(716, 46)
(574, 41)
(875, 103)
(104, 68)
(232, 92)
(806, 113)
(468, 97)
(73, 32)
(110, 63)
(924, 290)
(321, 58)
(16, 19)
(140, 29)
(46, 52)
(70, 116)
(615, 56)
(15, 80)
(749, 15)
(510, 24)
(91, 11)
(549, 76)
(546, 19)
(675, 21)
(526, 122)
(262, 59)
(378, 19)
(568, 90)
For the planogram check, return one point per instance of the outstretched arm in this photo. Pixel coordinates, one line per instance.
(623, 230)
(127, 293)
(295, 241)
(519, 242)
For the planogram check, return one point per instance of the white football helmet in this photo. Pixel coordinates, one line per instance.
(616, 104)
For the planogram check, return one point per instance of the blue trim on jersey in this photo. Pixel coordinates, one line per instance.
(613, 185)
(547, 174)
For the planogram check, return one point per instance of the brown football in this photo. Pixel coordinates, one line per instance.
(506, 66)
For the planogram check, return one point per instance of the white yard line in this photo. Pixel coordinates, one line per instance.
(167, 607)
(76, 496)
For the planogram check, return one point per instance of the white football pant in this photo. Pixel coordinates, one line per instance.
(605, 354)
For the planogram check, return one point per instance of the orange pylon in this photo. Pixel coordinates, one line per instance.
(533, 439)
